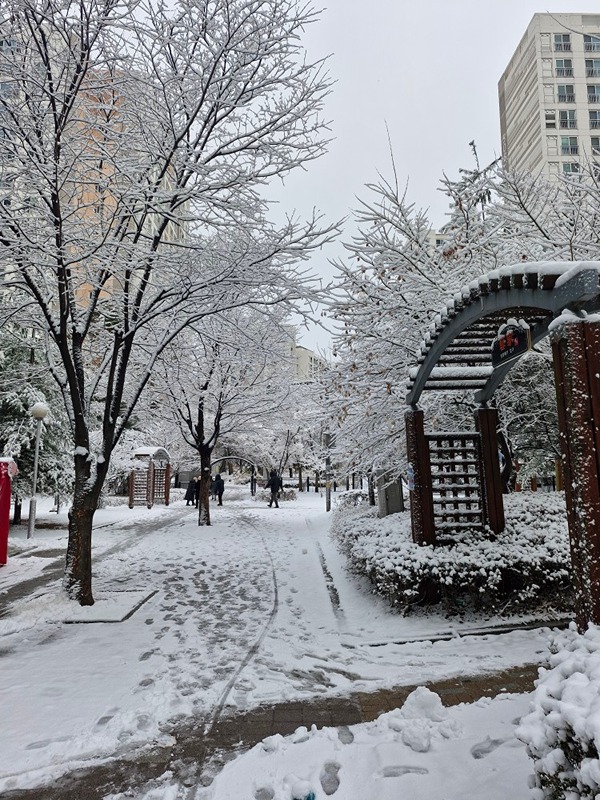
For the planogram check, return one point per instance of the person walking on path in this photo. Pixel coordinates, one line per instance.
(274, 484)
(190, 492)
(219, 487)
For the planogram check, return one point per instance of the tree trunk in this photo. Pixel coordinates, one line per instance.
(371, 486)
(77, 580)
(78, 571)
(507, 466)
(204, 499)
(17, 511)
(300, 480)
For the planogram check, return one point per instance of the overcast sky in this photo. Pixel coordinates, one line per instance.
(427, 68)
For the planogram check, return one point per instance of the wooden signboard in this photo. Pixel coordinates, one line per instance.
(512, 341)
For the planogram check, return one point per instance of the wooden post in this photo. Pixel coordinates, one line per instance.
(150, 485)
(421, 496)
(486, 422)
(167, 484)
(576, 350)
(132, 488)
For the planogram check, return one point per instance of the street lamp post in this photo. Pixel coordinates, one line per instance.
(38, 411)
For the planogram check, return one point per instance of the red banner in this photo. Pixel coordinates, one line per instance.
(4, 510)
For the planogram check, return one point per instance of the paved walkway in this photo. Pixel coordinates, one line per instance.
(197, 757)
(202, 746)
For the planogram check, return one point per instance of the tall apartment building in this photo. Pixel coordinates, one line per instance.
(549, 96)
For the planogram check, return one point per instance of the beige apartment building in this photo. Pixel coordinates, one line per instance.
(549, 97)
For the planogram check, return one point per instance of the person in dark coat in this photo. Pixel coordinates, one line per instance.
(219, 488)
(274, 484)
(190, 492)
(213, 488)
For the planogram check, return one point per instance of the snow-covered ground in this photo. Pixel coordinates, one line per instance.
(232, 616)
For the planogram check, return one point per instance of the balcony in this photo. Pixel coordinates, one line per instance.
(595, 123)
(566, 98)
(590, 47)
(571, 123)
(562, 47)
(564, 72)
(569, 150)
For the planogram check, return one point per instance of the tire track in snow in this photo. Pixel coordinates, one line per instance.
(253, 650)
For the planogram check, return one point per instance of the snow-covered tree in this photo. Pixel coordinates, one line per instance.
(137, 141)
(24, 382)
(399, 273)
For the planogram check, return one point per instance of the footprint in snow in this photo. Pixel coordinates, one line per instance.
(483, 749)
(330, 782)
(345, 735)
(264, 793)
(398, 770)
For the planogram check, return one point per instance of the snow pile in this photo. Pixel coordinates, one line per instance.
(420, 751)
(525, 566)
(562, 732)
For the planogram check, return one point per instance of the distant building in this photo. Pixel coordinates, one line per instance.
(549, 97)
(308, 365)
(436, 239)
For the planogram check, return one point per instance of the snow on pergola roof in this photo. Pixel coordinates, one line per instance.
(151, 452)
(456, 353)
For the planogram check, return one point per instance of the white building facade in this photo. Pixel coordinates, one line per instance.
(549, 97)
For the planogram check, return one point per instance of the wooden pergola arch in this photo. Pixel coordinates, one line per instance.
(455, 477)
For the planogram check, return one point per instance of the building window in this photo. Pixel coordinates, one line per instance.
(591, 43)
(570, 168)
(566, 93)
(564, 67)
(596, 145)
(592, 68)
(594, 119)
(568, 146)
(550, 118)
(562, 42)
(567, 119)
(593, 94)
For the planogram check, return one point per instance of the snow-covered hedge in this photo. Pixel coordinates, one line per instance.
(525, 566)
(562, 732)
